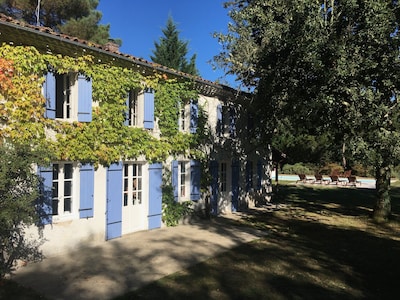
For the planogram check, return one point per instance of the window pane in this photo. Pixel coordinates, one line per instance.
(55, 207)
(55, 190)
(125, 184)
(139, 170)
(125, 199)
(67, 204)
(67, 188)
(139, 184)
(55, 171)
(67, 171)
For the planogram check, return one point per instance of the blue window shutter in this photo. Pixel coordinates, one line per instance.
(214, 187)
(249, 175)
(49, 89)
(194, 115)
(155, 195)
(148, 121)
(219, 119)
(84, 99)
(259, 174)
(44, 205)
(174, 178)
(235, 185)
(195, 180)
(114, 201)
(86, 191)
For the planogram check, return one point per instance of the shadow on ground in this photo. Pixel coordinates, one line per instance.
(326, 248)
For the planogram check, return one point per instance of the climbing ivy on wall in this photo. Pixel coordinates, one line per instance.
(103, 140)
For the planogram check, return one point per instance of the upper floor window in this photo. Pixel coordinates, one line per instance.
(188, 116)
(182, 118)
(63, 96)
(68, 97)
(140, 109)
(132, 115)
(226, 120)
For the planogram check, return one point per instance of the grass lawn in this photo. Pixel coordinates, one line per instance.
(321, 244)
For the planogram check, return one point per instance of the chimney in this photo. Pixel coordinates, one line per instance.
(111, 46)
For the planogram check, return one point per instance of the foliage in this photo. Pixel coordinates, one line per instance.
(297, 168)
(171, 52)
(18, 193)
(173, 211)
(324, 66)
(103, 140)
(73, 17)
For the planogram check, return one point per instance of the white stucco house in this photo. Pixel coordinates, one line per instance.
(83, 202)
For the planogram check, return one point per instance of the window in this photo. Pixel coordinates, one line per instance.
(132, 184)
(182, 179)
(68, 97)
(249, 176)
(222, 177)
(182, 118)
(185, 180)
(62, 199)
(132, 117)
(63, 96)
(139, 109)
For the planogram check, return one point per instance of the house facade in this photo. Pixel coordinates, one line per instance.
(119, 128)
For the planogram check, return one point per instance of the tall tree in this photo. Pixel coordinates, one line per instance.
(171, 52)
(73, 17)
(326, 65)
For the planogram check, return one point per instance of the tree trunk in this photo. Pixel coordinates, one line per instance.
(382, 209)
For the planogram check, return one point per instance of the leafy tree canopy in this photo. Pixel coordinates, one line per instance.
(324, 65)
(73, 17)
(171, 52)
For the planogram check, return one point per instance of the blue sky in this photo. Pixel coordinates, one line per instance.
(139, 24)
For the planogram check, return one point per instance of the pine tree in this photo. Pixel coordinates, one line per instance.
(73, 17)
(171, 52)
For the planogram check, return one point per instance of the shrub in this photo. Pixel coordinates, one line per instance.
(173, 211)
(18, 194)
(297, 168)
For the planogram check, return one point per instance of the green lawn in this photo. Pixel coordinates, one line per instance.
(321, 244)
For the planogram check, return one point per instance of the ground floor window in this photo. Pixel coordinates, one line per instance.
(222, 177)
(132, 193)
(62, 200)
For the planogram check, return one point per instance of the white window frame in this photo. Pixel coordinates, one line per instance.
(67, 97)
(132, 193)
(184, 118)
(183, 180)
(59, 197)
(135, 109)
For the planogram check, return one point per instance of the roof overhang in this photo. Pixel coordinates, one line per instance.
(47, 41)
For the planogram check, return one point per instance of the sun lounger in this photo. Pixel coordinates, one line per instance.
(353, 181)
(320, 179)
(303, 178)
(336, 180)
